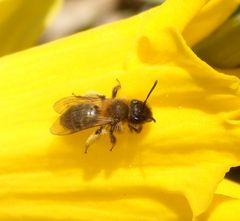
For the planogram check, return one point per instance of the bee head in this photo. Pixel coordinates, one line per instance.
(139, 112)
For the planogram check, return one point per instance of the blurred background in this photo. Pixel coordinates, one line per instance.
(78, 15)
(220, 49)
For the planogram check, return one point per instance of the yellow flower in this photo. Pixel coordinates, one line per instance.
(22, 22)
(225, 204)
(168, 172)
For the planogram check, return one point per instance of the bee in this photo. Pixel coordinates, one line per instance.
(78, 113)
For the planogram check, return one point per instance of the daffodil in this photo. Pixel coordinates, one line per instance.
(170, 171)
(22, 22)
(225, 203)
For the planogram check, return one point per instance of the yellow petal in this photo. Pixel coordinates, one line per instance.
(233, 71)
(208, 20)
(168, 172)
(225, 204)
(22, 22)
(229, 188)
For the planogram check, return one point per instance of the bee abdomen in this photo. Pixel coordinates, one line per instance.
(80, 117)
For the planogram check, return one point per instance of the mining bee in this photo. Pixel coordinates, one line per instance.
(108, 114)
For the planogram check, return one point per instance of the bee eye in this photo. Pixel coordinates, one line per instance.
(134, 101)
(136, 114)
(139, 113)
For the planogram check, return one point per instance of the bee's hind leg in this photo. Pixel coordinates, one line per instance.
(112, 137)
(92, 138)
(115, 89)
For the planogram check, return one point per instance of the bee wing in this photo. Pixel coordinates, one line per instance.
(58, 129)
(65, 103)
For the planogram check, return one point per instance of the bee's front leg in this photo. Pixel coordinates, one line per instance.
(135, 129)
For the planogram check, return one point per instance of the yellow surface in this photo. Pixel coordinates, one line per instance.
(225, 204)
(168, 172)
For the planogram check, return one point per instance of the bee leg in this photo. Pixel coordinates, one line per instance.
(115, 89)
(102, 97)
(73, 94)
(135, 129)
(92, 138)
(112, 137)
(113, 140)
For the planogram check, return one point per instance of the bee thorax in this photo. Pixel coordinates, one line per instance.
(118, 110)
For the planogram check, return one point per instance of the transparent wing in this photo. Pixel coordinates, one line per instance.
(58, 129)
(65, 103)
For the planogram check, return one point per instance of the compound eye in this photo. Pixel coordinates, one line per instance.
(136, 112)
(136, 118)
(134, 101)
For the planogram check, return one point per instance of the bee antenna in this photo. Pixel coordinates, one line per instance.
(149, 93)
